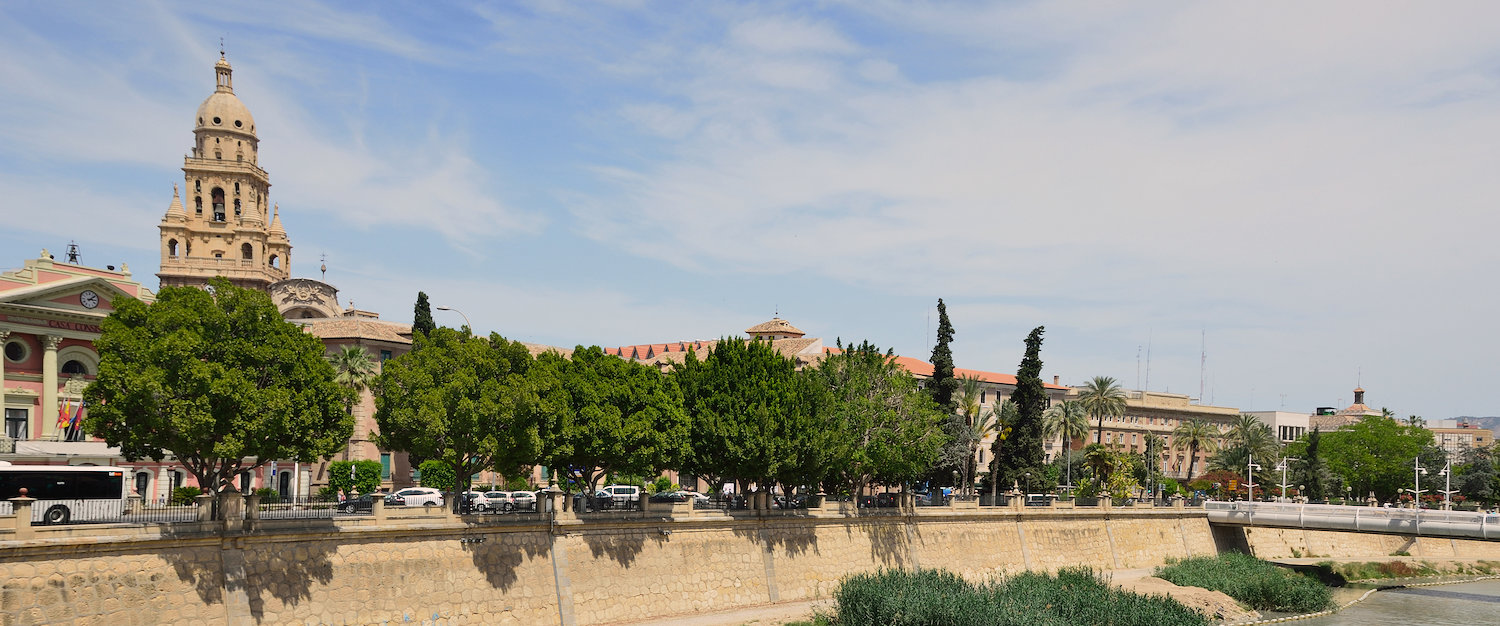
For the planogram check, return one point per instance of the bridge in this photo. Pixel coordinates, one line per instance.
(1418, 522)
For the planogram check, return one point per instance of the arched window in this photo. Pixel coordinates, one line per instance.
(275, 262)
(236, 187)
(246, 252)
(75, 366)
(198, 205)
(171, 247)
(142, 484)
(218, 199)
(236, 206)
(197, 186)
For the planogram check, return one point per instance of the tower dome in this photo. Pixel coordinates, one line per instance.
(223, 110)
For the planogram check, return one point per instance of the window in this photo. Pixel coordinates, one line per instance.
(16, 351)
(197, 186)
(385, 465)
(218, 255)
(75, 366)
(142, 484)
(982, 398)
(236, 206)
(385, 355)
(171, 247)
(236, 187)
(275, 262)
(15, 423)
(246, 252)
(218, 200)
(244, 482)
(198, 205)
(176, 477)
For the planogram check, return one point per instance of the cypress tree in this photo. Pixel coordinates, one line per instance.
(943, 385)
(422, 317)
(1021, 451)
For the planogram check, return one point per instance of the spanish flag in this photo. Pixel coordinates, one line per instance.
(65, 413)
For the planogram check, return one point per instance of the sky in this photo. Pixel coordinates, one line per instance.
(1261, 205)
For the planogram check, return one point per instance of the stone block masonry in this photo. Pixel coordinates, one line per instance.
(449, 570)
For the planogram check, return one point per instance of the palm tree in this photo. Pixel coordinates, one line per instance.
(1101, 398)
(1154, 446)
(1195, 435)
(975, 431)
(968, 397)
(354, 369)
(1069, 421)
(1247, 438)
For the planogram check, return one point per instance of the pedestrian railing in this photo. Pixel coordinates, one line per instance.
(1421, 522)
(314, 507)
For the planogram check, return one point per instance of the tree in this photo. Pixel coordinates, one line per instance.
(1022, 450)
(1476, 475)
(881, 426)
(1314, 468)
(748, 416)
(422, 316)
(1375, 454)
(1155, 446)
(215, 378)
(1102, 398)
(1069, 421)
(970, 430)
(1195, 436)
(463, 400)
(609, 416)
(354, 370)
(351, 477)
(438, 475)
(1247, 438)
(942, 386)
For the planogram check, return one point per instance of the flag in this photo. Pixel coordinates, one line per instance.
(65, 413)
(77, 415)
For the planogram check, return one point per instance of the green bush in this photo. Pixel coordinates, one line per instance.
(1260, 585)
(268, 495)
(185, 495)
(932, 597)
(328, 493)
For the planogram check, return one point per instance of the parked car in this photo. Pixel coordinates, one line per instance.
(669, 496)
(363, 503)
(621, 496)
(473, 502)
(523, 500)
(694, 497)
(886, 500)
(418, 496)
(497, 501)
(1038, 499)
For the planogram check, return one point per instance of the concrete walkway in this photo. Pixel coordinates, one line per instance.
(763, 615)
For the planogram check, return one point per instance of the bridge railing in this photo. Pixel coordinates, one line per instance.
(1357, 518)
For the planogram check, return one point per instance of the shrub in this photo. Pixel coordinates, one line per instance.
(1073, 596)
(1260, 585)
(328, 493)
(268, 495)
(662, 484)
(185, 495)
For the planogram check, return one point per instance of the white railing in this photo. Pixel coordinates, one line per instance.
(1419, 522)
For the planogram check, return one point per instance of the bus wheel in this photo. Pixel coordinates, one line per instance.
(58, 514)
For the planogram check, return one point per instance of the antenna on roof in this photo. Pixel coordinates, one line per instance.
(73, 252)
(323, 258)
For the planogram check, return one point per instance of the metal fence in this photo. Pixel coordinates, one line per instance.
(313, 507)
(159, 512)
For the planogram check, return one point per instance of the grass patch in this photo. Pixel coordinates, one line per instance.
(1378, 570)
(940, 598)
(1260, 585)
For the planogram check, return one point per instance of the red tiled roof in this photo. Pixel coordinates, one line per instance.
(923, 369)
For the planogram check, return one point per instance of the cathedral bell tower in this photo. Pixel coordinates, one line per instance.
(222, 223)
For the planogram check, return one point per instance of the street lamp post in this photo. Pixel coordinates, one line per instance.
(1416, 475)
(461, 313)
(1283, 467)
(1447, 474)
(1250, 468)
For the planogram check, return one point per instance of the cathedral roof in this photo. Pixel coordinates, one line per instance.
(175, 210)
(223, 110)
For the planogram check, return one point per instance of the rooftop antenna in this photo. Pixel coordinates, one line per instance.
(323, 258)
(1150, 334)
(73, 252)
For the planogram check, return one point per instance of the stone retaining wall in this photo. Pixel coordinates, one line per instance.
(440, 569)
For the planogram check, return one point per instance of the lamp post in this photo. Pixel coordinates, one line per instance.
(1250, 468)
(1283, 467)
(1447, 475)
(1416, 478)
(461, 313)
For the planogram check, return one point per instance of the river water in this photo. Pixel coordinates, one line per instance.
(1460, 603)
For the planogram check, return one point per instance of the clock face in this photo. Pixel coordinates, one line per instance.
(88, 299)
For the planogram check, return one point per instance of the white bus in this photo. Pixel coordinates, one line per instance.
(65, 493)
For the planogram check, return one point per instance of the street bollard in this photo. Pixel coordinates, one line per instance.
(205, 506)
(377, 506)
(22, 508)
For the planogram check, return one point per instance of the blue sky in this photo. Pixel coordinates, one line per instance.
(1311, 187)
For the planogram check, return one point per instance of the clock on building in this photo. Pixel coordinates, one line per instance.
(88, 299)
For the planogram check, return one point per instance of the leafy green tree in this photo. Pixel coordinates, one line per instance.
(1315, 476)
(1476, 475)
(466, 401)
(973, 426)
(1069, 422)
(1247, 438)
(1021, 452)
(943, 386)
(351, 477)
(215, 378)
(609, 415)
(749, 421)
(1375, 454)
(1102, 398)
(422, 316)
(881, 427)
(438, 475)
(1195, 436)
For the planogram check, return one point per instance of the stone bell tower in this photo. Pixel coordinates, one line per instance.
(222, 222)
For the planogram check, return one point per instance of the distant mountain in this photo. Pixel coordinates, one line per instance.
(1492, 422)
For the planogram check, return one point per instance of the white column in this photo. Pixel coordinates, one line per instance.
(49, 386)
